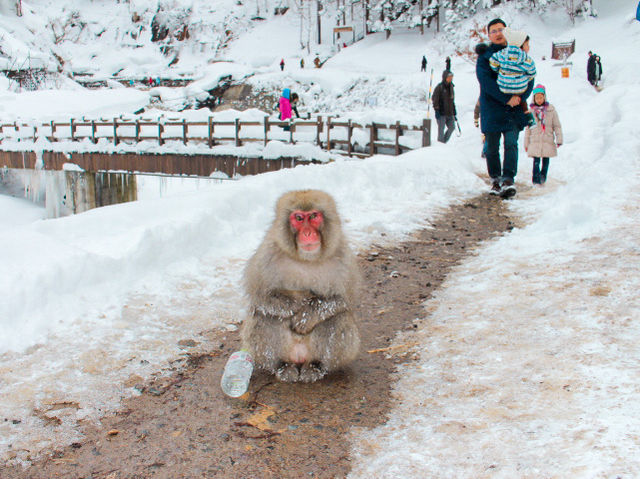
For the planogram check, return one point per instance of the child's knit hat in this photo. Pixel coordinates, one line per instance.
(539, 88)
(515, 37)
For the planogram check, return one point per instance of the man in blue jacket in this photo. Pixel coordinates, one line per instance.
(499, 115)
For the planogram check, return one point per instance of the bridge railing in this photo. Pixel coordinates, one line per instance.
(352, 138)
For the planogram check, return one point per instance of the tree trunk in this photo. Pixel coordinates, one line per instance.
(318, 8)
(365, 3)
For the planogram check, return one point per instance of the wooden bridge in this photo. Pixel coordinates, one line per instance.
(337, 135)
(157, 163)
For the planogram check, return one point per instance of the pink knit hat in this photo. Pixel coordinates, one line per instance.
(539, 88)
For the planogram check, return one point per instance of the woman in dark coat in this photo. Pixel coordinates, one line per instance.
(598, 70)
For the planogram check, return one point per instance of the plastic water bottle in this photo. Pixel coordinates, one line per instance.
(237, 373)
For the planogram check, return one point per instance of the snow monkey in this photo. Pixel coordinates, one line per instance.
(302, 285)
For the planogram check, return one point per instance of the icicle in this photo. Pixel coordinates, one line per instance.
(55, 194)
(164, 184)
(34, 180)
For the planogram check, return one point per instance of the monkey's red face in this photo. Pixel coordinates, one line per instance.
(306, 225)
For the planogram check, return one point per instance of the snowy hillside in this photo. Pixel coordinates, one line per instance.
(141, 38)
(103, 37)
(94, 299)
(206, 41)
(104, 40)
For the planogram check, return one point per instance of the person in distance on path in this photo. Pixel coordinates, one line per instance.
(444, 106)
(591, 68)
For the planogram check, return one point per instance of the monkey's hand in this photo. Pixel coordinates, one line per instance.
(278, 305)
(314, 311)
(304, 321)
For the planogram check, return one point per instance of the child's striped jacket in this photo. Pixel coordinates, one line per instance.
(515, 69)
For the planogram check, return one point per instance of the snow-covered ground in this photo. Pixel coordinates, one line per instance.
(528, 365)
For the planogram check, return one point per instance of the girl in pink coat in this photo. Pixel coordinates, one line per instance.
(542, 139)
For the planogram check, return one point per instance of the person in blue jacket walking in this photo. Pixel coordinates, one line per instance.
(500, 115)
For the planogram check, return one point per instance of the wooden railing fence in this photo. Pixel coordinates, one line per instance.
(328, 134)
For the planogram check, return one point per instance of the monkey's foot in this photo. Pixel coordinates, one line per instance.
(311, 372)
(288, 373)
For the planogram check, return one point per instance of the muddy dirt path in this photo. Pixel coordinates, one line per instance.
(183, 426)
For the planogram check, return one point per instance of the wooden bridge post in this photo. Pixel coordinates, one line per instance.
(318, 131)
(373, 136)
(398, 132)
(73, 130)
(266, 130)
(349, 134)
(137, 130)
(115, 132)
(53, 131)
(185, 129)
(237, 122)
(329, 134)
(210, 134)
(160, 130)
(292, 126)
(426, 132)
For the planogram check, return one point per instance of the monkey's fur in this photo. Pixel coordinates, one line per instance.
(300, 323)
